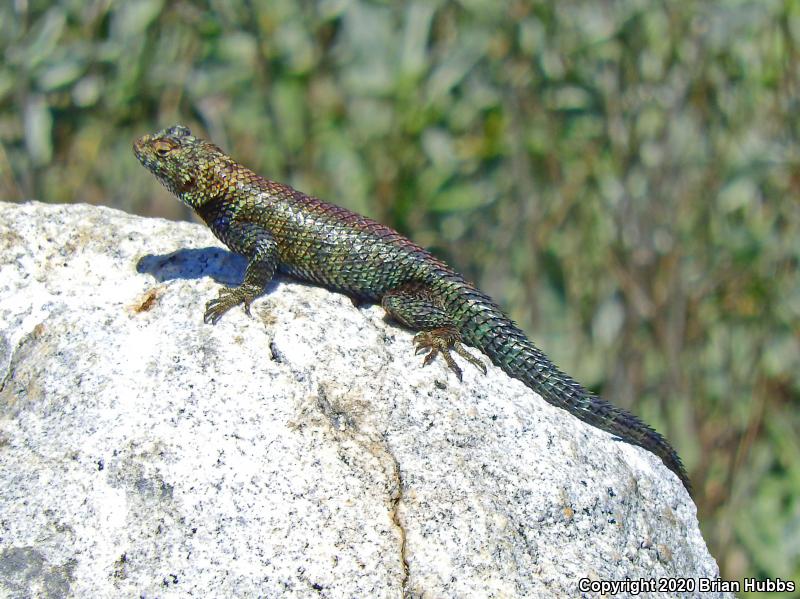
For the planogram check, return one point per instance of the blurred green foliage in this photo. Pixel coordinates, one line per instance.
(622, 175)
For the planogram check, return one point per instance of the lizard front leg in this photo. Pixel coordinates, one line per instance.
(418, 308)
(259, 247)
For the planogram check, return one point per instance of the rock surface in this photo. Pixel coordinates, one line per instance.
(302, 452)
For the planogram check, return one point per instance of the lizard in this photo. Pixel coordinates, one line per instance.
(279, 229)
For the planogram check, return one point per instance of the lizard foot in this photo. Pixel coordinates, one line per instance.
(443, 340)
(229, 297)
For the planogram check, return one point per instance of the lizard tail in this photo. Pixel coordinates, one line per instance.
(486, 327)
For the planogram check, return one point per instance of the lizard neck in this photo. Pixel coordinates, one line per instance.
(215, 183)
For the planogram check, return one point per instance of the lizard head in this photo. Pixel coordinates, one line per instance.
(177, 158)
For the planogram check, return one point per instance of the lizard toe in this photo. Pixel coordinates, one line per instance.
(442, 341)
(227, 299)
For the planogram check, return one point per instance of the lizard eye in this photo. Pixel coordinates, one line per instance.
(162, 148)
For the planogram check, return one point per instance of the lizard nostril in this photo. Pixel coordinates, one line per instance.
(140, 143)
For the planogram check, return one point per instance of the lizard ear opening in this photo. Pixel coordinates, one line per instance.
(186, 183)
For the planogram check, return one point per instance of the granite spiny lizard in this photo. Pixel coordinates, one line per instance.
(278, 228)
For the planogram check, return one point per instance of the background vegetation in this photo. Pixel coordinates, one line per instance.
(622, 175)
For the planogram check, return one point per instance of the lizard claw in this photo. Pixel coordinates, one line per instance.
(229, 297)
(442, 341)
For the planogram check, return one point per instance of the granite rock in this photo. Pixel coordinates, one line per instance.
(300, 452)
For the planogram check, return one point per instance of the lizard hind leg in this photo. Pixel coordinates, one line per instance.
(417, 307)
